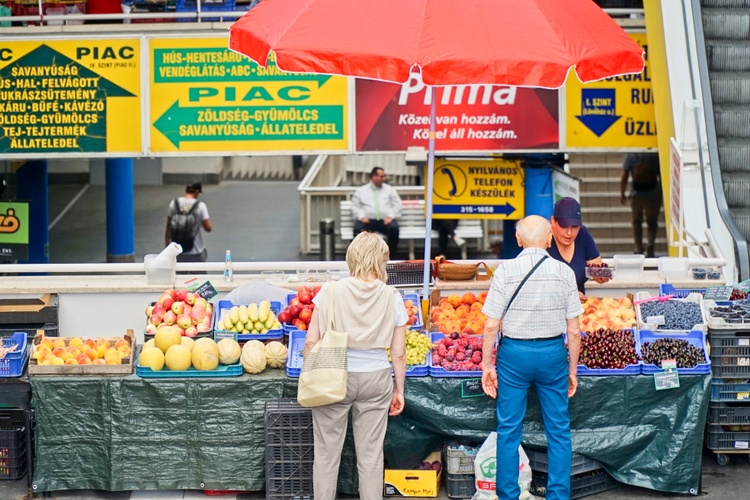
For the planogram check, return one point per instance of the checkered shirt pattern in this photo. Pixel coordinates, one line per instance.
(548, 298)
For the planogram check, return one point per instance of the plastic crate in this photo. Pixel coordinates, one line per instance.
(289, 445)
(460, 485)
(270, 335)
(419, 325)
(294, 358)
(693, 297)
(717, 323)
(439, 372)
(191, 6)
(13, 463)
(15, 310)
(585, 371)
(459, 458)
(288, 327)
(207, 334)
(729, 413)
(730, 354)
(695, 338)
(49, 329)
(581, 485)
(539, 463)
(679, 293)
(729, 390)
(13, 364)
(717, 438)
(407, 273)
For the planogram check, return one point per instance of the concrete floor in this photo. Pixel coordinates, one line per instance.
(258, 221)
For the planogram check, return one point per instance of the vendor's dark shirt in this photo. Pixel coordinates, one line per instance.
(584, 251)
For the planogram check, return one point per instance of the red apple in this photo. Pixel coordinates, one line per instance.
(294, 301)
(197, 315)
(166, 301)
(295, 309)
(190, 298)
(160, 309)
(178, 308)
(172, 293)
(305, 315)
(169, 318)
(316, 290)
(284, 316)
(300, 325)
(184, 321)
(191, 331)
(156, 319)
(200, 301)
(181, 295)
(305, 297)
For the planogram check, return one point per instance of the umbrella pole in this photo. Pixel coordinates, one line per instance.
(428, 205)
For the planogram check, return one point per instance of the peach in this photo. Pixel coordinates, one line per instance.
(468, 298)
(442, 302)
(83, 359)
(47, 342)
(75, 342)
(122, 342)
(58, 351)
(110, 352)
(408, 303)
(41, 352)
(50, 357)
(66, 356)
(482, 297)
(58, 361)
(113, 361)
(454, 300)
(90, 343)
(46, 362)
(101, 349)
(476, 306)
(103, 342)
(71, 361)
(74, 351)
(92, 354)
(59, 344)
(98, 362)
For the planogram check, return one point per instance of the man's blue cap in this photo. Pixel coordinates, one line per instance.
(567, 212)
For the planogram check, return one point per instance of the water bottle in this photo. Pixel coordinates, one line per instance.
(228, 271)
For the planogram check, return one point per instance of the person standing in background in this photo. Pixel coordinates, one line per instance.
(645, 197)
(532, 302)
(180, 210)
(446, 229)
(375, 207)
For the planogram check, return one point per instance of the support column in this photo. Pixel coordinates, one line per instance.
(31, 179)
(120, 210)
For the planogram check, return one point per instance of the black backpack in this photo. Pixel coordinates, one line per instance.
(184, 226)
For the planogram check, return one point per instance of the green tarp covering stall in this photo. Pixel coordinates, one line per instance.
(128, 433)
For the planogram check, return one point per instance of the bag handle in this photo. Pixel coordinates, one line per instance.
(487, 272)
(329, 319)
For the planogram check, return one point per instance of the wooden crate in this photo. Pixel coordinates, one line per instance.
(126, 368)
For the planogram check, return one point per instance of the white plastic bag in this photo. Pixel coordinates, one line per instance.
(485, 470)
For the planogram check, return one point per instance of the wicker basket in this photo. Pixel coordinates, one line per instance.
(461, 272)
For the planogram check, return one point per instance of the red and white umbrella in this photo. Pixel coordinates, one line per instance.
(529, 43)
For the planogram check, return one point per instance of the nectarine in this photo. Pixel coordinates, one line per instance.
(71, 361)
(75, 342)
(468, 298)
(83, 359)
(121, 343)
(92, 354)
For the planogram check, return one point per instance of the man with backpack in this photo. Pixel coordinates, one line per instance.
(185, 217)
(645, 197)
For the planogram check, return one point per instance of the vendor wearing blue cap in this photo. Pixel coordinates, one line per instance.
(572, 243)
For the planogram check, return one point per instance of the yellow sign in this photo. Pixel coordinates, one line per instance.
(70, 96)
(205, 98)
(478, 189)
(616, 112)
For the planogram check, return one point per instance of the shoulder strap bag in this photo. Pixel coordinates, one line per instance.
(323, 378)
(518, 288)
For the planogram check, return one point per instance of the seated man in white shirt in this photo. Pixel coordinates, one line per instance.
(375, 207)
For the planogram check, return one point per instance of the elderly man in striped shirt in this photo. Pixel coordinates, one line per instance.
(534, 300)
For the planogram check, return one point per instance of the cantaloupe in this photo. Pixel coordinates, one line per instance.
(229, 351)
(205, 355)
(253, 359)
(276, 354)
(177, 358)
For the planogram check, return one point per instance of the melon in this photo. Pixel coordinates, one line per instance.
(229, 351)
(166, 337)
(187, 342)
(276, 354)
(149, 343)
(253, 360)
(205, 355)
(152, 357)
(254, 344)
(177, 358)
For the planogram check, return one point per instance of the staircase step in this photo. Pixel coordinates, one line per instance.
(734, 155)
(736, 188)
(726, 23)
(741, 218)
(732, 120)
(607, 249)
(730, 87)
(725, 3)
(728, 55)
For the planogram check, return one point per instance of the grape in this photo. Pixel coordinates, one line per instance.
(417, 347)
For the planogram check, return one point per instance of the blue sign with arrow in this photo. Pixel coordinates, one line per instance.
(598, 110)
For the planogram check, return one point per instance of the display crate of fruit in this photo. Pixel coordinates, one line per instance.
(250, 322)
(734, 416)
(581, 485)
(579, 464)
(730, 390)
(170, 355)
(422, 481)
(298, 309)
(718, 438)
(688, 350)
(233, 370)
(182, 309)
(457, 313)
(727, 316)
(607, 312)
(29, 310)
(679, 315)
(414, 311)
(608, 352)
(418, 349)
(460, 485)
(459, 458)
(730, 353)
(296, 348)
(13, 450)
(598, 271)
(75, 356)
(14, 354)
(455, 355)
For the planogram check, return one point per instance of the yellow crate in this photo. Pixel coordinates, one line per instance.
(414, 482)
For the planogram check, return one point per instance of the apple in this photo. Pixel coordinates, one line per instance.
(284, 317)
(204, 325)
(159, 309)
(187, 308)
(181, 330)
(197, 315)
(299, 324)
(178, 307)
(156, 319)
(316, 290)
(305, 315)
(151, 329)
(305, 297)
(172, 293)
(294, 301)
(184, 321)
(200, 301)
(190, 298)
(181, 295)
(149, 310)
(169, 318)
(166, 301)
(294, 310)
(191, 331)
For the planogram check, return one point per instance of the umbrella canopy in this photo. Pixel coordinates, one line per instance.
(531, 43)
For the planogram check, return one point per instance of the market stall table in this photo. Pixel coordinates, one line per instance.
(127, 433)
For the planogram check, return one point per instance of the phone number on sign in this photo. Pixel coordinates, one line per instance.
(477, 210)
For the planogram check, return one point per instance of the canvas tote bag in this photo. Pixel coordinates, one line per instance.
(322, 380)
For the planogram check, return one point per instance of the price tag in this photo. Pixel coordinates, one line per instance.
(666, 380)
(655, 320)
(669, 364)
(472, 388)
(205, 290)
(743, 396)
(743, 342)
(221, 334)
(741, 445)
(718, 293)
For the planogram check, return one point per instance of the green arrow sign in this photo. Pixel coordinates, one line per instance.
(219, 65)
(250, 123)
(50, 103)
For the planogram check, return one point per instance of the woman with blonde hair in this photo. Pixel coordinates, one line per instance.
(374, 316)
